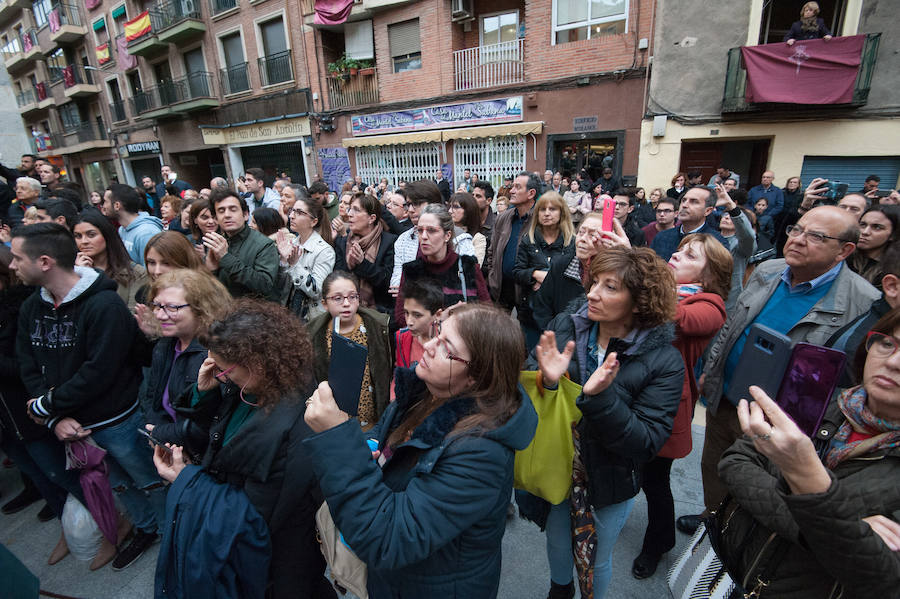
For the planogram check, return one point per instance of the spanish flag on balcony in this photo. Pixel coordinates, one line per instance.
(138, 26)
(103, 54)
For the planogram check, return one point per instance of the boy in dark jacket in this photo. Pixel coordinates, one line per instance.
(76, 343)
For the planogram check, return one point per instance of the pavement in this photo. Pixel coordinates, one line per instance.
(525, 574)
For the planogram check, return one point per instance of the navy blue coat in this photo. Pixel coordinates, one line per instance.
(430, 522)
(215, 543)
(666, 242)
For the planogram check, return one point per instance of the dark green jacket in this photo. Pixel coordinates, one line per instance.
(251, 265)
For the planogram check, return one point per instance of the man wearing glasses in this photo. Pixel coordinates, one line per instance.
(665, 219)
(808, 296)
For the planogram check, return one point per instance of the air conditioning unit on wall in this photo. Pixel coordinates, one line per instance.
(461, 11)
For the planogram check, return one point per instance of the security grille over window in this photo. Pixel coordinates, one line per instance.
(491, 158)
(406, 162)
(274, 158)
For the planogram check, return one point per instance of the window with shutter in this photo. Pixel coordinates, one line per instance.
(406, 47)
(358, 40)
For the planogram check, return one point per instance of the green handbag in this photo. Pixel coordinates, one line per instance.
(544, 468)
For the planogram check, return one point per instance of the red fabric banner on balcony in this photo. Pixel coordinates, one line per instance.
(138, 26)
(103, 56)
(41, 89)
(332, 12)
(68, 76)
(126, 60)
(53, 20)
(27, 44)
(809, 72)
(92, 4)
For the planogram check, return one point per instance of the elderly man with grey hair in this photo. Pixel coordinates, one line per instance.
(218, 183)
(28, 191)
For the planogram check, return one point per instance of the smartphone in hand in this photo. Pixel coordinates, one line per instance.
(153, 440)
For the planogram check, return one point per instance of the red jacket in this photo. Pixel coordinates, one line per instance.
(698, 318)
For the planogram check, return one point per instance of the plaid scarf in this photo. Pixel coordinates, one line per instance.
(884, 434)
(688, 289)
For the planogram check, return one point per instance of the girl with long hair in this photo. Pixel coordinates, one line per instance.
(100, 247)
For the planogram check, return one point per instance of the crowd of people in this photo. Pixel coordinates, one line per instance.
(211, 321)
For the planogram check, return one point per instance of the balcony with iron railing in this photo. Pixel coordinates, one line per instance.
(66, 24)
(217, 7)
(235, 79)
(179, 21)
(117, 111)
(34, 100)
(276, 68)
(79, 82)
(147, 44)
(79, 136)
(186, 94)
(353, 90)
(46, 143)
(489, 66)
(735, 97)
(22, 51)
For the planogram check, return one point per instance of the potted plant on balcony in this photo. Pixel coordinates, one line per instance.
(353, 66)
(338, 68)
(366, 67)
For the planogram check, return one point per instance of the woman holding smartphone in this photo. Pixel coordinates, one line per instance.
(427, 511)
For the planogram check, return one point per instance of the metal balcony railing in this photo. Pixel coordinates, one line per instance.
(734, 99)
(172, 12)
(235, 79)
(117, 111)
(66, 14)
(220, 6)
(56, 73)
(357, 90)
(76, 74)
(176, 91)
(25, 97)
(23, 43)
(489, 66)
(43, 142)
(82, 131)
(275, 68)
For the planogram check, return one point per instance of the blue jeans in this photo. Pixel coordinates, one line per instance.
(608, 521)
(44, 462)
(559, 543)
(132, 475)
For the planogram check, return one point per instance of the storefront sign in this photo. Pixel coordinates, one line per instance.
(584, 123)
(503, 110)
(335, 166)
(142, 148)
(275, 130)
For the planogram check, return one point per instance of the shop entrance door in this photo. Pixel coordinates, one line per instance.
(275, 158)
(592, 154)
(746, 157)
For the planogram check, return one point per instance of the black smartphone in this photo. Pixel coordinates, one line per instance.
(812, 374)
(153, 440)
(882, 193)
(762, 363)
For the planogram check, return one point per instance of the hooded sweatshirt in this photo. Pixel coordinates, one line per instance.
(136, 235)
(77, 357)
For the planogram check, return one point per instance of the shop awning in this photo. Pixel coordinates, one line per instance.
(387, 140)
(492, 131)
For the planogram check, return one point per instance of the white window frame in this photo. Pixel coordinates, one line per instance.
(481, 19)
(220, 47)
(587, 23)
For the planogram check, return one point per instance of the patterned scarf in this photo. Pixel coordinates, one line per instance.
(369, 243)
(688, 289)
(584, 534)
(809, 23)
(860, 419)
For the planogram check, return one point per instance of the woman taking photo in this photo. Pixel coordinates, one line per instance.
(467, 216)
(702, 269)
(825, 506)
(740, 239)
(459, 276)
(251, 390)
(101, 248)
(368, 252)
(309, 257)
(289, 194)
(427, 515)
(339, 225)
(879, 226)
(678, 186)
(202, 222)
(367, 327)
(183, 303)
(548, 242)
(631, 378)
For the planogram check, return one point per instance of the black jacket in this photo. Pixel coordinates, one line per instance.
(83, 350)
(633, 232)
(377, 274)
(13, 395)
(626, 425)
(266, 459)
(179, 376)
(555, 295)
(539, 255)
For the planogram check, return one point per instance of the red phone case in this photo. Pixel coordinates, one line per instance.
(609, 212)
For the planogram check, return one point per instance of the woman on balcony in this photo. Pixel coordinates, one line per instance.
(809, 27)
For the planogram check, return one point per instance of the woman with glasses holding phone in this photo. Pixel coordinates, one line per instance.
(248, 402)
(826, 506)
(459, 276)
(308, 258)
(427, 510)
(368, 252)
(365, 326)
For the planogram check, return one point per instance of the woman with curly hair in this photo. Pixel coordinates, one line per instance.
(618, 346)
(249, 400)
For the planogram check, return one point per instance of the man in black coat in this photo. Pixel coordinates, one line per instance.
(443, 185)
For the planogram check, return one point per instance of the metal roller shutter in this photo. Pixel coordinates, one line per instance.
(492, 158)
(404, 38)
(852, 171)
